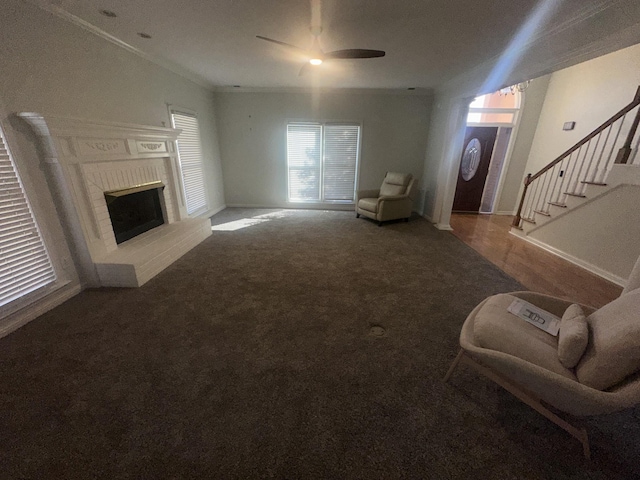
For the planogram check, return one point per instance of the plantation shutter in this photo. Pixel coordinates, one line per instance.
(340, 159)
(304, 161)
(190, 154)
(25, 265)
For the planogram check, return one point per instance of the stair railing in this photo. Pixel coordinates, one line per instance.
(586, 163)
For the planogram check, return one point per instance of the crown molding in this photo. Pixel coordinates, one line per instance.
(327, 90)
(50, 125)
(89, 27)
(464, 82)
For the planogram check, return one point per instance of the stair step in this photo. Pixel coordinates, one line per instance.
(579, 195)
(541, 212)
(558, 204)
(600, 184)
(529, 220)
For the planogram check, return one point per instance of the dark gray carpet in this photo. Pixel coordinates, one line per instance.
(251, 358)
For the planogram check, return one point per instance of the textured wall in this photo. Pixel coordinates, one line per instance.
(588, 94)
(252, 130)
(533, 101)
(602, 233)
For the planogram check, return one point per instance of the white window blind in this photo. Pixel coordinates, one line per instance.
(303, 156)
(25, 265)
(322, 161)
(340, 161)
(190, 154)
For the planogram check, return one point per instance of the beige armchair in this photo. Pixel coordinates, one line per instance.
(392, 201)
(528, 362)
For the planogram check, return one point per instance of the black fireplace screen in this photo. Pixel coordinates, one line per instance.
(135, 210)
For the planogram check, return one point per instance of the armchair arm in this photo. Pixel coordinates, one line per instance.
(391, 198)
(367, 194)
(393, 207)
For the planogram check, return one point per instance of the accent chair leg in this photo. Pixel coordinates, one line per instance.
(357, 215)
(585, 443)
(406, 220)
(579, 433)
(379, 224)
(453, 366)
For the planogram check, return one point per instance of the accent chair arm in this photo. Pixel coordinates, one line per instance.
(393, 207)
(391, 198)
(367, 194)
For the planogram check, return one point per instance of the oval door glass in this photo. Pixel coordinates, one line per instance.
(470, 160)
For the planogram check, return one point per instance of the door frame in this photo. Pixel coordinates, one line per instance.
(468, 138)
(515, 124)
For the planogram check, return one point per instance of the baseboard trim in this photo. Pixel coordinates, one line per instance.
(503, 212)
(213, 211)
(297, 206)
(444, 226)
(33, 311)
(575, 260)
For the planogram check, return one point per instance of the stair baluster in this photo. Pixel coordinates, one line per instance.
(604, 146)
(634, 159)
(577, 172)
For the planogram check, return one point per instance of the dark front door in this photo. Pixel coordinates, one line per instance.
(476, 156)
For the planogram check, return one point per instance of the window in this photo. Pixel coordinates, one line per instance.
(322, 161)
(190, 155)
(494, 109)
(25, 265)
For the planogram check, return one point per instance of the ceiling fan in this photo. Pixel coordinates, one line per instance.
(317, 56)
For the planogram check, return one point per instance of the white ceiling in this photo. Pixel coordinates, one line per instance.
(427, 42)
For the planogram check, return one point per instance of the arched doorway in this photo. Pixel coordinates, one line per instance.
(488, 142)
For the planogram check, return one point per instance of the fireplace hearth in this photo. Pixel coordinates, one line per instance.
(135, 210)
(119, 188)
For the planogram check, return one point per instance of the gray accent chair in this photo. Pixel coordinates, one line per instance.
(392, 201)
(524, 360)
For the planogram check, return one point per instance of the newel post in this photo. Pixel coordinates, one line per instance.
(518, 217)
(625, 151)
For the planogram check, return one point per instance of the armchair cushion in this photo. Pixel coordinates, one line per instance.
(496, 329)
(573, 336)
(367, 194)
(395, 184)
(613, 352)
(369, 204)
(389, 190)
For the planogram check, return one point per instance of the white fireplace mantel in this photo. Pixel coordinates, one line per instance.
(86, 158)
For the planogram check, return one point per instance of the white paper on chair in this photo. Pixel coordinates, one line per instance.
(535, 316)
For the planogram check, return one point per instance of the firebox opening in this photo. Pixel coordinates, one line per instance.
(135, 210)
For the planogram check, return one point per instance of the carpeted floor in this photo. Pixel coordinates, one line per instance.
(251, 357)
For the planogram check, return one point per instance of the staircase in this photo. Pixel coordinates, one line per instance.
(583, 173)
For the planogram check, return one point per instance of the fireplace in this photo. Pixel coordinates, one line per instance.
(135, 210)
(119, 190)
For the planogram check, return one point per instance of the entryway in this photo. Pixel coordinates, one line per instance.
(535, 268)
(489, 138)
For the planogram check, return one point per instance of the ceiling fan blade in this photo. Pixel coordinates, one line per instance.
(354, 53)
(278, 42)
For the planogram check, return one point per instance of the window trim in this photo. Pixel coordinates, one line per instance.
(188, 112)
(60, 279)
(322, 201)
